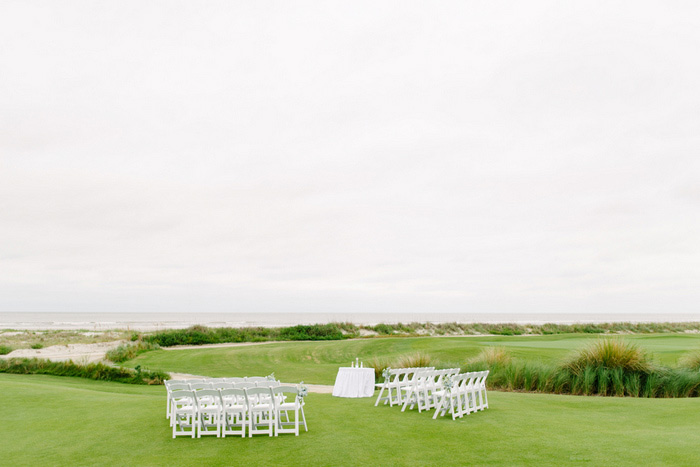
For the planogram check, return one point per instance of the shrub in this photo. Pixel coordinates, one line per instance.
(97, 371)
(126, 352)
(311, 333)
(383, 329)
(491, 357)
(415, 360)
(691, 361)
(38, 345)
(5, 349)
(379, 365)
(611, 354)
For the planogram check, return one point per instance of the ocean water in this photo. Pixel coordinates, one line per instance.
(156, 321)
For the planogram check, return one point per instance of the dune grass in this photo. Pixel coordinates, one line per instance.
(318, 362)
(100, 423)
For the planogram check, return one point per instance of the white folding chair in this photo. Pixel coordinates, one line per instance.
(283, 406)
(235, 409)
(184, 414)
(260, 411)
(209, 412)
(169, 388)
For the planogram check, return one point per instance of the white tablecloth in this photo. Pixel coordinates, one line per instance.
(354, 382)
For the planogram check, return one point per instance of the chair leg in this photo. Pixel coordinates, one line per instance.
(303, 417)
(380, 396)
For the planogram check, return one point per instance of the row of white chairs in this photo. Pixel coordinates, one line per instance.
(427, 388)
(213, 383)
(260, 407)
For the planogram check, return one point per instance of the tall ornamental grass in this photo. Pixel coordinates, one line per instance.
(605, 368)
(691, 361)
(126, 352)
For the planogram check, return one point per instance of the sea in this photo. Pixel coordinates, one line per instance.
(158, 321)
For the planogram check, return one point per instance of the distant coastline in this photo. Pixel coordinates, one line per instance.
(160, 321)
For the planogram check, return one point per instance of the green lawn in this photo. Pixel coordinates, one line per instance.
(317, 362)
(48, 420)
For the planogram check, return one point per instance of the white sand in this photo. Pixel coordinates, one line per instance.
(76, 352)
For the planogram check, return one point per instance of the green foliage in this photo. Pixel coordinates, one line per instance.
(97, 371)
(415, 360)
(38, 345)
(199, 335)
(5, 349)
(313, 332)
(691, 361)
(126, 352)
(48, 420)
(383, 329)
(606, 367)
(609, 353)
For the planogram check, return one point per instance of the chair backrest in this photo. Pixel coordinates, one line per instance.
(267, 384)
(208, 397)
(221, 385)
(178, 387)
(235, 380)
(244, 385)
(234, 395)
(216, 380)
(182, 398)
(283, 389)
(190, 381)
(255, 379)
(257, 394)
(200, 386)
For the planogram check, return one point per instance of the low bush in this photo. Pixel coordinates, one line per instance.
(311, 333)
(97, 371)
(126, 352)
(611, 354)
(5, 349)
(38, 345)
(691, 361)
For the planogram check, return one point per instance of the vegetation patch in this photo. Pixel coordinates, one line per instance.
(5, 349)
(691, 361)
(96, 371)
(609, 367)
(199, 335)
(126, 352)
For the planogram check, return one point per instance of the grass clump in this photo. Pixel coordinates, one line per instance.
(96, 371)
(38, 345)
(691, 361)
(5, 349)
(415, 360)
(611, 354)
(126, 352)
(491, 357)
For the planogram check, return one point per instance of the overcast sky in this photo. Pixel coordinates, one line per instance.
(476, 157)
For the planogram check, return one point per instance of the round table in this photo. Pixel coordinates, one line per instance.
(354, 382)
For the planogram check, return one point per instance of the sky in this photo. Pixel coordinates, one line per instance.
(336, 157)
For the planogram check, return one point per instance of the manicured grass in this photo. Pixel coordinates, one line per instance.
(49, 420)
(317, 362)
